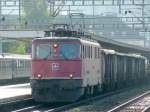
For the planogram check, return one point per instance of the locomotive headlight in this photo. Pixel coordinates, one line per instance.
(55, 45)
(39, 75)
(71, 76)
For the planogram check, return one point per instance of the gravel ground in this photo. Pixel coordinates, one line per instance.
(103, 105)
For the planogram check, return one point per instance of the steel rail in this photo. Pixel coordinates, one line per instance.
(84, 101)
(12, 105)
(62, 107)
(28, 109)
(134, 104)
(147, 109)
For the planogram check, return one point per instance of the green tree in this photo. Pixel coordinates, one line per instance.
(16, 47)
(35, 12)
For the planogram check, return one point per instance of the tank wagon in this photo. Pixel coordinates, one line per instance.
(65, 67)
(14, 68)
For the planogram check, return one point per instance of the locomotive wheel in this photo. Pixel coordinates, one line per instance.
(97, 89)
(92, 90)
(86, 91)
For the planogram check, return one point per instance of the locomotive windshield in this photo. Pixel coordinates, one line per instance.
(57, 51)
(69, 51)
(43, 51)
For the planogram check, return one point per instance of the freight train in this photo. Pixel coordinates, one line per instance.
(14, 68)
(66, 66)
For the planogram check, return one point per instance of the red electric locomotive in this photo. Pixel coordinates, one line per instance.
(56, 68)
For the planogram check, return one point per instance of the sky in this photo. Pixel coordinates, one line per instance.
(87, 10)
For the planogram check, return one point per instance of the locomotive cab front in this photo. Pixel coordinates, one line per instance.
(56, 69)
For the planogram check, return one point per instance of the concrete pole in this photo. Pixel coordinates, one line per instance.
(144, 27)
(20, 2)
(119, 4)
(0, 9)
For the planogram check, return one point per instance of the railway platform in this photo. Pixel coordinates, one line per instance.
(14, 92)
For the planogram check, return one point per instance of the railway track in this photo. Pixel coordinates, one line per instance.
(28, 105)
(8, 106)
(29, 109)
(39, 108)
(63, 107)
(137, 104)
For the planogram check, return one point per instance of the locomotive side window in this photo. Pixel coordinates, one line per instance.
(91, 51)
(98, 53)
(82, 51)
(95, 52)
(85, 51)
(43, 51)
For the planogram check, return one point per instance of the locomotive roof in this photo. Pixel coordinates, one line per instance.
(50, 38)
(108, 51)
(82, 40)
(14, 56)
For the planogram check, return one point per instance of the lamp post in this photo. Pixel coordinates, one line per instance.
(143, 23)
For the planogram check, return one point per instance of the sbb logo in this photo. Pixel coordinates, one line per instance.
(55, 66)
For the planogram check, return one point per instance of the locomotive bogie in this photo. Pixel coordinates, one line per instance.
(57, 90)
